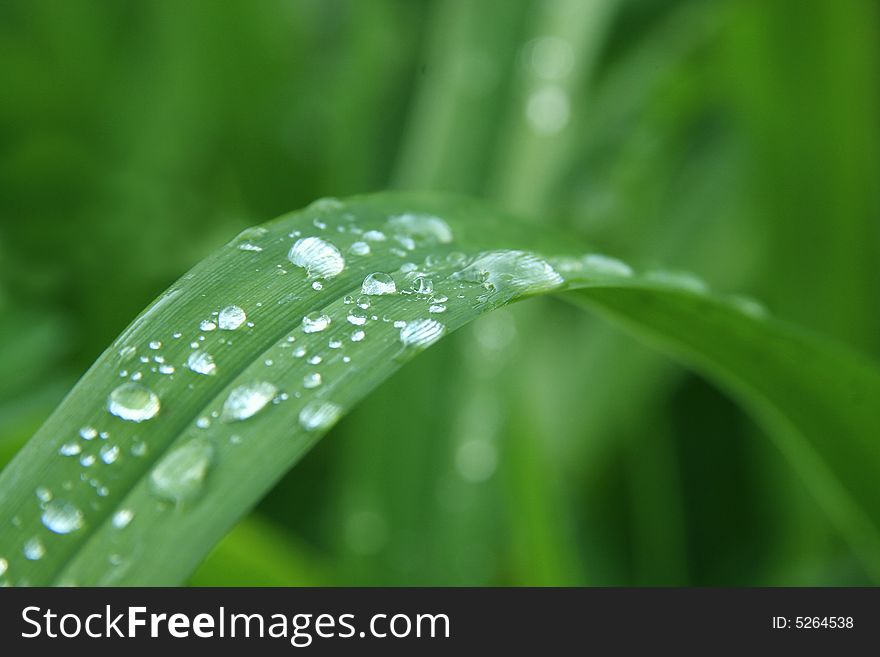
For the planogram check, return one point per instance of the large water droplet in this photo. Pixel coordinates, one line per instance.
(180, 475)
(510, 274)
(247, 400)
(34, 549)
(318, 257)
(421, 227)
(319, 415)
(62, 517)
(133, 402)
(421, 333)
(378, 283)
(315, 323)
(230, 318)
(201, 362)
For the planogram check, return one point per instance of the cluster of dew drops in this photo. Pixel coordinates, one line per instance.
(179, 475)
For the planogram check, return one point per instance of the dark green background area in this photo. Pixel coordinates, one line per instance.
(739, 139)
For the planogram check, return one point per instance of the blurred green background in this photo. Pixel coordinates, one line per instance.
(739, 139)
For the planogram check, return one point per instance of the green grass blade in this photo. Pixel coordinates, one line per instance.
(127, 502)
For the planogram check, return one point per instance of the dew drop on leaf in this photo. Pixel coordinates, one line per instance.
(62, 517)
(318, 257)
(230, 318)
(201, 362)
(34, 549)
(133, 402)
(421, 333)
(247, 400)
(318, 415)
(180, 475)
(378, 283)
(315, 323)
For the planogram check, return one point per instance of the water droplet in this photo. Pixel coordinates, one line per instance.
(399, 324)
(109, 453)
(510, 274)
(88, 433)
(317, 286)
(34, 549)
(358, 336)
(423, 285)
(87, 460)
(360, 249)
(249, 246)
(126, 353)
(122, 518)
(427, 228)
(201, 362)
(374, 236)
(70, 449)
(334, 343)
(315, 360)
(406, 242)
(318, 257)
(363, 302)
(166, 369)
(230, 318)
(596, 263)
(207, 325)
(378, 283)
(180, 475)
(317, 415)
(203, 423)
(681, 280)
(139, 448)
(299, 352)
(247, 400)
(43, 494)
(245, 238)
(315, 323)
(357, 318)
(62, 518)
(421, 333)
(4, 566)
(437, 308)
(133, 402)
(312, 380)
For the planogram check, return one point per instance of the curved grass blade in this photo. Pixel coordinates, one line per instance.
(219, 387)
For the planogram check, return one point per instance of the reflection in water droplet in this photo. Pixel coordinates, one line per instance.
(510, 274)
(109, 453)
(315, 323)
(133, 402)
(318, 257)
(247, 400)
(318, 415)
(62, 517)
(180, 475)
(69, 449)
(34, 549)
(357, 318)
(378, 283)
(421, 333)
(360, 249)
(201, 362)
(88, 433)
(231, 317)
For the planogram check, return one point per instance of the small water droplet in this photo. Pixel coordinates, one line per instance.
(87, 460)
(423, 285)
(437, 308)
(69, 449)
(374, 236)
(207, 325)
(315, 360)
(363, 302)
(426, 228)
(109, 453)
(360, 249)
(203, 423)
(230, 318)
(317, 286)
(317, 415)
(88, 433)
(315, 323)
(201, 362)
(299, 352)
(133, 402)
(62, 517)
(421, 333)
(34, 549)
(378, 283)
(180, 476)
(348, 299)
(358, 335)
(357, 318)
(122, 518)
(334, 343)
(399, 324)
(126, 353)
(166, 369)
(155, 344)
(4, 566)
(312, 380)
(247, 400)
(43, 494)
(318, 257)
(249, 246)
